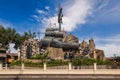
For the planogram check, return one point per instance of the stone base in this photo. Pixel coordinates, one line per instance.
(55, 53)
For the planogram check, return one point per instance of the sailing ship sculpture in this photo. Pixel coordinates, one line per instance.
(59, 45)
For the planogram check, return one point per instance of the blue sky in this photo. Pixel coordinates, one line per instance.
(99, 19)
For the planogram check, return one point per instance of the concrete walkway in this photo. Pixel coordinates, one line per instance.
(62, 71)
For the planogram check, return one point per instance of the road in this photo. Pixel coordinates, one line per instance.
(59, 77)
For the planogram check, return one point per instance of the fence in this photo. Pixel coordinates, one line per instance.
(69, 67)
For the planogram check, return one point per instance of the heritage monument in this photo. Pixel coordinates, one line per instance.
(59, 45)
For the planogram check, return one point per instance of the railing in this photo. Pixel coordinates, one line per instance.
(69, 67)
(58, 67)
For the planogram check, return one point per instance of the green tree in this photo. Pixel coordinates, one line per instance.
(9, 35)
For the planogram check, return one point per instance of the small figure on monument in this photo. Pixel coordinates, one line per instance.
(60, 15)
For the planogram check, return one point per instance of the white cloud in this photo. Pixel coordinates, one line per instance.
(110, 45)
(40, 11)
(75, 14)
(112, 39)
(37, 18)
(47, 7)
(115, 10)
(110, 49)
(47, 21)
(11, 48)
(5, 24)
(103, 4)
(107, 12)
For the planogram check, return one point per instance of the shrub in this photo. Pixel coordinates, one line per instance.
(79, 62)
(17, 63)
(57, 63)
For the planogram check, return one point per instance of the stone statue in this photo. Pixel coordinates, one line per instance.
(60, 15)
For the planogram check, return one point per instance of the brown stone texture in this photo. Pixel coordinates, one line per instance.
(55, 53)
(89, 50)
(91, 44)
(84, 44)
(71, 38)
(29, 48)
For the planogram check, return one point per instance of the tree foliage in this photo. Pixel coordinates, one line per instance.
(9, 35)
(79, 62)
(41, 57)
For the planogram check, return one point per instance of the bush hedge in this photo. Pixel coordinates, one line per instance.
(75, 62)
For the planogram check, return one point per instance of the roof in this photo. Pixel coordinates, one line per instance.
(2, 55)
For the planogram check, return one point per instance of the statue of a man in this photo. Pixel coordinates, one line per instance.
(60, 15)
